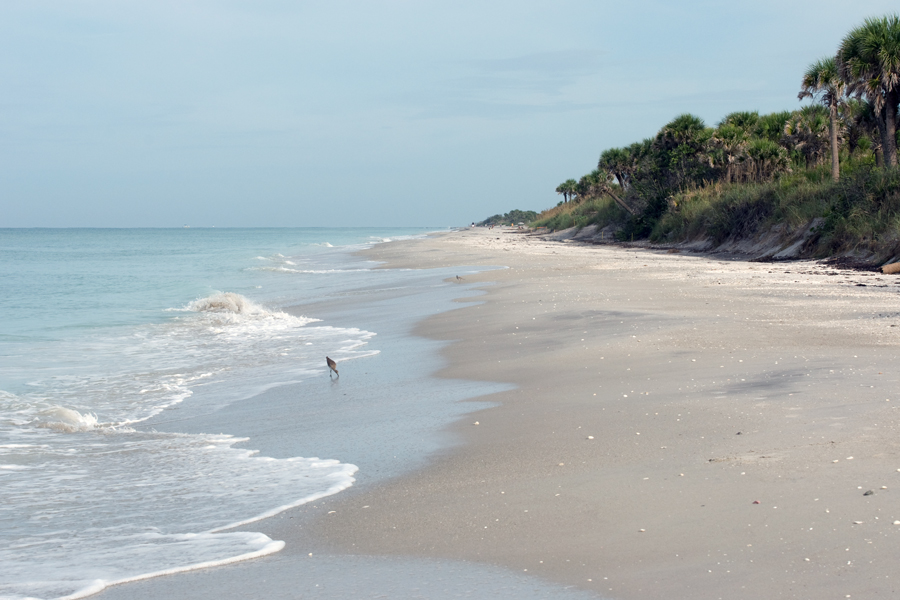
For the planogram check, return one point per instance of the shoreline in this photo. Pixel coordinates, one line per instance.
(647, 490)
(627, 459)
(386, 418)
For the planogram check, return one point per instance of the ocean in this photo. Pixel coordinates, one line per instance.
(108, 332)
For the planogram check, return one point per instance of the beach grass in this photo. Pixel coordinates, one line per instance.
(594, 211)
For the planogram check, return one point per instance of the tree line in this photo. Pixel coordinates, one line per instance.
(511, 218)
(853, 118)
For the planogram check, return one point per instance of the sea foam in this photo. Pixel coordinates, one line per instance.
(91, 494)
(90, 500)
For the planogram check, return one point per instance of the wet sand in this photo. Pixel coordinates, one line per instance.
(681, 427)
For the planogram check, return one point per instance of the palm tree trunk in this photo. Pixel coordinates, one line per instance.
(879, 154)
(623, 204)
(890, 130)
(835, 157)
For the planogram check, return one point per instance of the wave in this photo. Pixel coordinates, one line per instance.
(223, 342)
(92, 494)
(227, 302)
(123, 486)
(229, 308)
(67, 420)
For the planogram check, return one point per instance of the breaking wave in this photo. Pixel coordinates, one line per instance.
(70, 454)
(227, 302)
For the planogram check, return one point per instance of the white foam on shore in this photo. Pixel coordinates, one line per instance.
(121, 517)
(340, 486)
(99, 585)
(216, 340)
(89, 501)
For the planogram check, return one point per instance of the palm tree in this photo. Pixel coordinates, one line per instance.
(603, 183)
(561, 189)
(637, 156)
(869, 62)
(571, 185)
(567, 189)
(807, 133)
(618, 162)
(861, 123)
(823, 81)
(682, 144)
(745, 120)
(728, 150)
(771, 126)
(766, 158)
(684, 131)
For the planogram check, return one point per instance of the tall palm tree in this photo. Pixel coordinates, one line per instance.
(571, 186)
(561, 189)
(567, 189)
(822, 81)
(869, 61)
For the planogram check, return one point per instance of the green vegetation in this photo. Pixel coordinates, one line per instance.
(831, 164)
(567, 189)
(513, 217)
(594, 210)
(859, 213)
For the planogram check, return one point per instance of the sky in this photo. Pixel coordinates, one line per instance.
(119, 113)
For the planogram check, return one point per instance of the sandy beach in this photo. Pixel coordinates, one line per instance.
(682, 426)
(660, 397)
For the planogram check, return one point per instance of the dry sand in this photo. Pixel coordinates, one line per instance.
(683, 426)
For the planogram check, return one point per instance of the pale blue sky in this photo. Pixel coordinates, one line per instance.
(275, 113)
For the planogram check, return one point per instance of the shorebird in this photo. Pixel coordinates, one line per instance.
(333, 366)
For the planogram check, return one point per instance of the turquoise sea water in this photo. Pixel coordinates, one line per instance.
(60, 280)
(105, 329)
